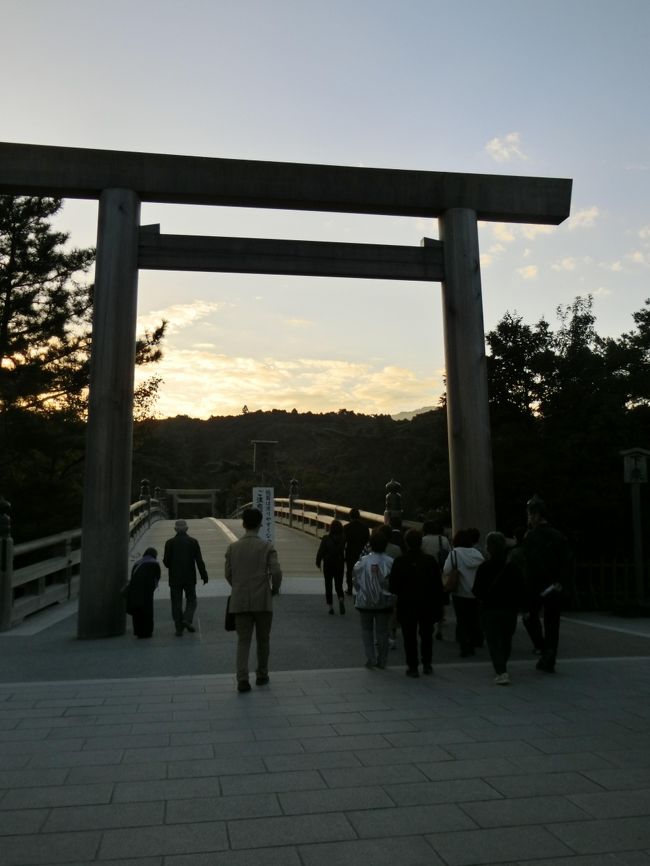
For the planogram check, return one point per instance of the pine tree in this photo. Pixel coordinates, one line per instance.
(44, 308)
(45, 333)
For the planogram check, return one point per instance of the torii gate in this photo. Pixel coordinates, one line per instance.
(122, 180)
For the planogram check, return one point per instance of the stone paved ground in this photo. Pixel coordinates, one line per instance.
(131, 752)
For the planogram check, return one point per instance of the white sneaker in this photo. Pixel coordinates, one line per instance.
(502, 679)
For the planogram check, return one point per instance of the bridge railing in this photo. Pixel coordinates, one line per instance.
(315, 518)
(39, 573)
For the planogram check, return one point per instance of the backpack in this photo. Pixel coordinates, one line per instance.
(371, 593)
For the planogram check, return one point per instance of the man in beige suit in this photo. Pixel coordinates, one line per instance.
(254, 573)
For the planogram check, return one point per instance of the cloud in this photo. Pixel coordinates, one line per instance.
(529, 272)
(567, 264)
(504, 149)
(532, 231)
(299, 323)
(601, 292)
(585, 218)
(178, 316)
(616, 267)
(200, 384)
(503, 232)
(645, 233)
(639, 258)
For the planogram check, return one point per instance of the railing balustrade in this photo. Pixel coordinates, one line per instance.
(45, 571)
(315, 518)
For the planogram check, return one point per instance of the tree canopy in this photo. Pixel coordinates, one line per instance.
(564, 402)
(45, 334)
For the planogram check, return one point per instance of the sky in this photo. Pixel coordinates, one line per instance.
(548, 88)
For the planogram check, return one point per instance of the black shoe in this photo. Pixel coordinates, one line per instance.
(261, 681)
(189, 627)
(331, 611)
(427, 669)
(547, 667)
(341, 606)
(412, 672)
(243, 686)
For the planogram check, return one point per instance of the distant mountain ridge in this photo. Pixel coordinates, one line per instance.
(408, 416)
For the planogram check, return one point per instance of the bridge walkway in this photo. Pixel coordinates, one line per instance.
(296, 552)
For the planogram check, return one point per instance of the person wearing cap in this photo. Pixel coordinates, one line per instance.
(546, 554)
(182, 557)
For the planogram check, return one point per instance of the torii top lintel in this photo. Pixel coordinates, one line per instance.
(70, 172)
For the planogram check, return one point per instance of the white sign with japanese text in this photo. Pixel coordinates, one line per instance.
(264, 500)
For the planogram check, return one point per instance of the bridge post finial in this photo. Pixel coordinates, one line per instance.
(293, 494)
(393, 512)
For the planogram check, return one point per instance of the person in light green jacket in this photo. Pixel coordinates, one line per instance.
(254, 573)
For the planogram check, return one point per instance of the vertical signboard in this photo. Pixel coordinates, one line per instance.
(263, 500)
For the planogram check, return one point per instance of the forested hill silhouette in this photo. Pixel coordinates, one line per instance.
(573, 461)
(341, 457)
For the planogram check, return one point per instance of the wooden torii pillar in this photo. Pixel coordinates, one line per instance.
(121, 180)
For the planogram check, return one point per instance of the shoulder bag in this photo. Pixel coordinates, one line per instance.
(452, 578)
(229, 623)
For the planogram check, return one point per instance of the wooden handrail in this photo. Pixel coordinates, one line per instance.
(45, 571)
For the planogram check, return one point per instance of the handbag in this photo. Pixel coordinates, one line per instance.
(229, 623)
(452, 578)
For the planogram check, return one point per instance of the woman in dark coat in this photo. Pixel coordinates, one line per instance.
(499, 588)
(415, 580)
(139, 602)
(331, 556)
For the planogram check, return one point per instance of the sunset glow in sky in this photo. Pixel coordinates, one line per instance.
(555, 88)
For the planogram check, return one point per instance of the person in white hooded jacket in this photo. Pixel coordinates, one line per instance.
(466, 559)
(373, 599)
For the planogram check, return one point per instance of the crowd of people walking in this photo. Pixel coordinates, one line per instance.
(412, 577)
(396, 581)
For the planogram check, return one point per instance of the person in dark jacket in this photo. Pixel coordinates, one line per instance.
(356, 536)
(415, 579)
(547, 569)
(182, 557)
(498, 586)
(145, 575)
(331, 556)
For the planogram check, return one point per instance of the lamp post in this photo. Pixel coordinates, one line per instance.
(145, 493)
(635, 473)
(293, 494)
